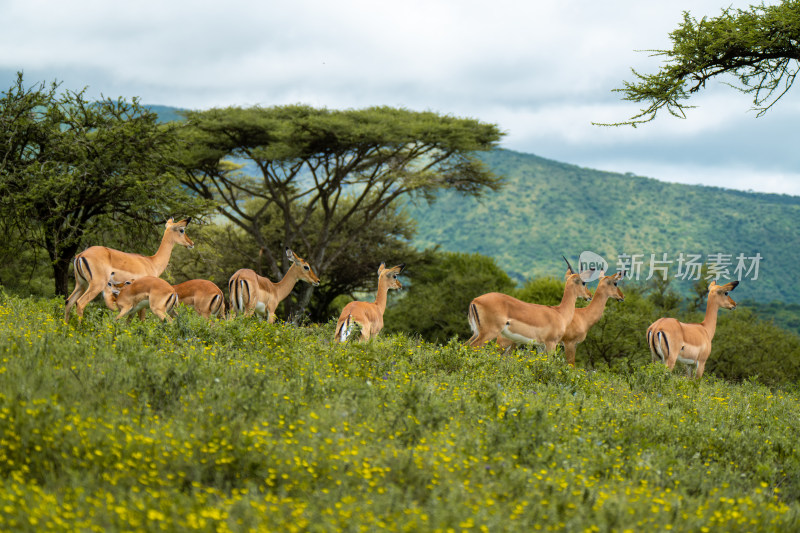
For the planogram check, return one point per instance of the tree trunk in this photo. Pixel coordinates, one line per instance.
(61, 275)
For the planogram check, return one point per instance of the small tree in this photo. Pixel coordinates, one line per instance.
(67, 163)
(759, 46)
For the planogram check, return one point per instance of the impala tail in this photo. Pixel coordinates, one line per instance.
(474, 320)
(345, 329)
(217, 306)
(658, 343)
(169, 305)
(82, 269)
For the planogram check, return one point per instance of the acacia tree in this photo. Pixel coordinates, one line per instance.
(321, 176)
(759, 46)
(67, 163)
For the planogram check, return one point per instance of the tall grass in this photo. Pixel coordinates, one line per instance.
(237, 425)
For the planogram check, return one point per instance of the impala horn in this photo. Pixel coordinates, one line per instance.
(571, 270)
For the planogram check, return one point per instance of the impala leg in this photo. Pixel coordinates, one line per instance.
(90, 294)
(700, 368)
(569, 352)
(366, 332)
(79, 290)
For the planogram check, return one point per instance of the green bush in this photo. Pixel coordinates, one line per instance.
(439, 292)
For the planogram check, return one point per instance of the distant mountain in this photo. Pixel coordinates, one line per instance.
(166, 113)
(547, 209)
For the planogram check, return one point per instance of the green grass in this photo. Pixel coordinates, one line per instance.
(243, 425)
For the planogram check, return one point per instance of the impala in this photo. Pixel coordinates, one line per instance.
(251, 293)
(586, 317)
(94, 265)
(671, 341)
(494, 314)
(134, 296)
(369, 315)
(203, 295)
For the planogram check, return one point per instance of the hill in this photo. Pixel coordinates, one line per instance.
(548, 208)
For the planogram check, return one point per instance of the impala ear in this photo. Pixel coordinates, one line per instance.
(381, 268)
(586, 275)
(290, 254)
(712, 284)
(401, 267)
(188, 220)
(169, 222)
(732, 285)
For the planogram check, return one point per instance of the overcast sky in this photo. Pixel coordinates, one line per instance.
(541, 70)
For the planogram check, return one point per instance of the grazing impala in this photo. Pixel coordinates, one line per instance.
(671, 341)
(134, 296)
(203, 295)
(368, 315)
(94, 265)
(251, 293)
(494, 314)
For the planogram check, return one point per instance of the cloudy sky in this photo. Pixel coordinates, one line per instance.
(542, 70)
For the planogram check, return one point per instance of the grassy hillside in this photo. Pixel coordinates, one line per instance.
(548, 209)
(243, 425)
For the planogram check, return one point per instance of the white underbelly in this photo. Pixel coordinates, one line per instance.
(520, 338)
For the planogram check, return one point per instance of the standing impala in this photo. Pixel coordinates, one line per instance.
(203, 295)
(671, 341)
(586, 317)
(495, 314)
(251, 293)
(94, 265)
(368, 315)
(134, 296)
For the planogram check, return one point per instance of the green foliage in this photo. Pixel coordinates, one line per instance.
(439, 292)
(758, 46)
(237, 425)
(617, 341)
(543, 291)
(67, 165)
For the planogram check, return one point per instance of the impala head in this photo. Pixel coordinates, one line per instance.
(115, 286)
(390, 274)
(719, 293)
(608, 286)
(577, 281)
(304, 269)
(177, 232)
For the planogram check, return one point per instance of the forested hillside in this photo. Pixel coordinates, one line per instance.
(548, 208)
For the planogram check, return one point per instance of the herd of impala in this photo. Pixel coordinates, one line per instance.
(130, 283)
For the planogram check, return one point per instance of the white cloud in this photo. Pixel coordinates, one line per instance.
(542, 70)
